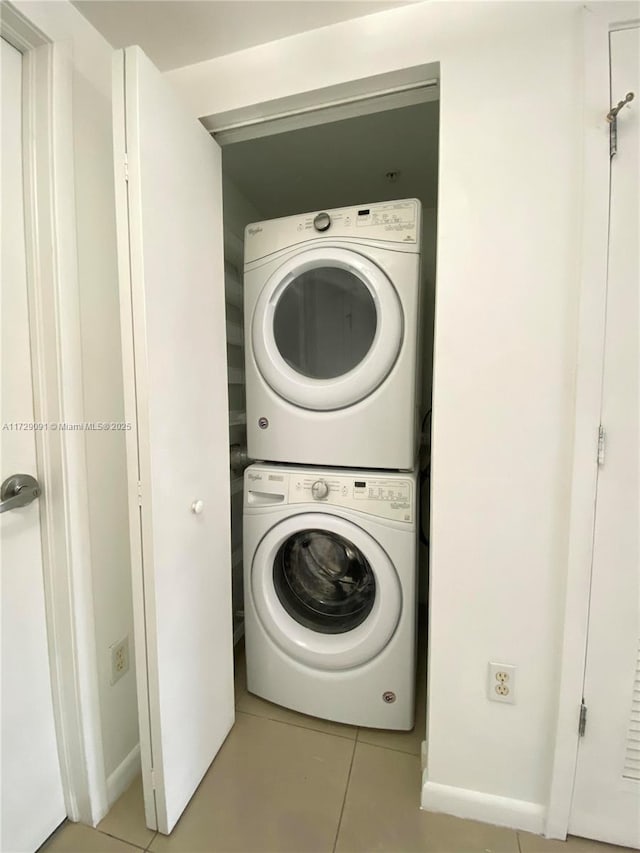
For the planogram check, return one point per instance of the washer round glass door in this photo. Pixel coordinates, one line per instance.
(324, 581)
(325, 591)
(327, 328)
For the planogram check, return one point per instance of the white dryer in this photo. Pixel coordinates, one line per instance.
(332, 320)
(330, 563)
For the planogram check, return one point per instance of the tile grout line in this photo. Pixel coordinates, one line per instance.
(155, 835)
(389, 748)
(518, 840)
(331, 734)
(118, 838)
(346, 791)
(296, 725)
(385, 746)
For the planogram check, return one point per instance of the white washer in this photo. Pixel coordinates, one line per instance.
(332, 319)
(330, 564)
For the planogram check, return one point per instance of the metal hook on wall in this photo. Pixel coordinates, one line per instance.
(613, 112)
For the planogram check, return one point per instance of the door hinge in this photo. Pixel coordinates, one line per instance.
(602, 435)
(612, 118)
(126, 168)
(139, 493)
(613, 138)
(582, 723)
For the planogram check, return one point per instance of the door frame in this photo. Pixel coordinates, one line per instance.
(54, 329)
(599, 20)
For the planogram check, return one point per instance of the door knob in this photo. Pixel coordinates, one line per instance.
(18, 490)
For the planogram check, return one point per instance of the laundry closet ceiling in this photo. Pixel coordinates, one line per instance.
(339, 164)
(174, 33)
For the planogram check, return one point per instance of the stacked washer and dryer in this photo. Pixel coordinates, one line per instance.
(332, 333)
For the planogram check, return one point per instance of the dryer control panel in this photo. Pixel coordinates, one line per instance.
(386, 221)
(385, 496)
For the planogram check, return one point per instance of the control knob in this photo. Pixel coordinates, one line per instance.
(320, 490)
(322, 222)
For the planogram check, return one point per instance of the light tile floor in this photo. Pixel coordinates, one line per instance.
(284, 782)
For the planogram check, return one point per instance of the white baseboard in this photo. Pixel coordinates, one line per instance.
(488, 808)
(123, 775)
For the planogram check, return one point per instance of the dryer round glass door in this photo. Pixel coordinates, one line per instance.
(325, 591)
(327, 328)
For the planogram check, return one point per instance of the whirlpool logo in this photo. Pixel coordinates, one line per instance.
(254, 230)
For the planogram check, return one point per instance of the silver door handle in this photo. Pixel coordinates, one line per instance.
(18, 490)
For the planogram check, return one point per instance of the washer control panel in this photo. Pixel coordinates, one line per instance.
(391, 496)
(386, 497)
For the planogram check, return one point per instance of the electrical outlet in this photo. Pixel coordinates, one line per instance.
(501, 683)
(119, 659)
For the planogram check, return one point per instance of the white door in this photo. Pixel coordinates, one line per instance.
(32, 800)
(170, 244)
(606, 803)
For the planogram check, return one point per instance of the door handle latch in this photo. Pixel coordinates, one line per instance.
(18, 490)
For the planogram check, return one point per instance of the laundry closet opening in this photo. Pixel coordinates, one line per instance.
(375, 155)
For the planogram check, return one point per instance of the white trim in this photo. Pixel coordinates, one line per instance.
(338, 102)
(598, 19)
(339, 109)
(133, 365)
(57, 368)
(18, 31)
(123, 775)
(488, 808)
(304, 109)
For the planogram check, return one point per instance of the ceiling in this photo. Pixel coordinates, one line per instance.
(340, 164)
(174, 33)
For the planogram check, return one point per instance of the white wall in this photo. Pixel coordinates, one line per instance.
(102, 373)
(506, 313)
